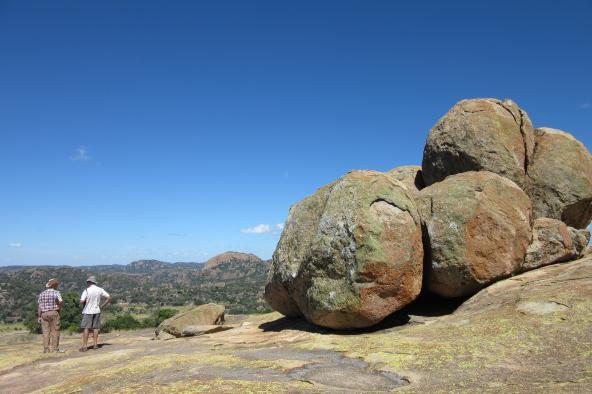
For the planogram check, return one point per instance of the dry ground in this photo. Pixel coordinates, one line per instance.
(530, 333)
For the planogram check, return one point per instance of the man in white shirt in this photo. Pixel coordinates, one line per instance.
(91, 314)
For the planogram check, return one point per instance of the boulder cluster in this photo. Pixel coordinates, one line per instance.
(494, 197)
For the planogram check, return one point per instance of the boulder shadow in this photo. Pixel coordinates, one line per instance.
(427, 305)
(300, 324)
(431, 305)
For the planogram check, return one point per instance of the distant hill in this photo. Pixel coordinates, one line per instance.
(233, 278)
(231, 256)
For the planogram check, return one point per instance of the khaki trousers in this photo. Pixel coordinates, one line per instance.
(50, 326)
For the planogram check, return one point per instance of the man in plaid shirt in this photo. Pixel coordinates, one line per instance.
(48, 314)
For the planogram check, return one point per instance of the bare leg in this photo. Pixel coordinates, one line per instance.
(85, 338)
(95, 338)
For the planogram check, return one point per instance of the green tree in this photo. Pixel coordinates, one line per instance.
(122, 322)
(162, 314)
(70, 315)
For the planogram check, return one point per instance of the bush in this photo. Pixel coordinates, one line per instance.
(70, 315)
(122, 322)
(162, 314)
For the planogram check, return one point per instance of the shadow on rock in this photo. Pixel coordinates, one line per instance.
(427, 306)
(431, 305)
(300, 324)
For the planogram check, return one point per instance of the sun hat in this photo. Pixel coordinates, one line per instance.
(92, 279)
(52, 282)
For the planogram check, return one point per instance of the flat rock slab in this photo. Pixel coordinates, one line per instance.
(528, 333)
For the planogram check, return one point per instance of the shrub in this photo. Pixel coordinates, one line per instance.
(121, 322)
(162, 314)
(70, 315)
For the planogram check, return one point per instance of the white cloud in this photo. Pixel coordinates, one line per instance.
(277, 229)
(264, 229)
(258, 229)
(15, 245)
(81, 154)
(586, 106)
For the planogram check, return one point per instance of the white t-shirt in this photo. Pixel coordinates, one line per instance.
(92, 296)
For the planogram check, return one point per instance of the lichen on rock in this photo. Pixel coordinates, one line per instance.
(349, 255)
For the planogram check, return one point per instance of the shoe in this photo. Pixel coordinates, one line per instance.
(59, 351)
(95, 347)
(83, 349)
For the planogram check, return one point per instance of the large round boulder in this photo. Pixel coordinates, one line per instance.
(478, 225)
(349, 255)
(560, 178)
(480, 134)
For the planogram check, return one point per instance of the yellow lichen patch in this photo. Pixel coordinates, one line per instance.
(127, 370)
(96, 359)
(220, 385)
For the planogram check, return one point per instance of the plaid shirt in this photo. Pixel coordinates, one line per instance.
(48, 300)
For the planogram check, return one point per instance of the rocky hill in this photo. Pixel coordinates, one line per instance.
(231, 256)
(235, 280)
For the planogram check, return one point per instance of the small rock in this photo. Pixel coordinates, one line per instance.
(208, 314)
(163, 336)
(554, 242)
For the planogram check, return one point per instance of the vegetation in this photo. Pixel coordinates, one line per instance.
(139, 288)
(70, 315)
(126, 321)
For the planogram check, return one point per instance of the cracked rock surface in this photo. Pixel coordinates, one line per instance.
(474, 234)
(349, 255)
(554, 242)
(480, 134)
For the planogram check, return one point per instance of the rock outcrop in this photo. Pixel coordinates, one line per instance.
(183, 324)
(410, 176)
(478, 229)
(349, 255)
(480, 135)
(554, 242)
(560, 178)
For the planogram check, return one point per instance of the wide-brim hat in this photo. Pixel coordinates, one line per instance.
(51, 282)
(92, 279)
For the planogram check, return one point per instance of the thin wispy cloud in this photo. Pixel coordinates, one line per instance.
(263, 229)
(258, 229)
(179, 235)
(15, 245)
(586, 105)
(81, 154)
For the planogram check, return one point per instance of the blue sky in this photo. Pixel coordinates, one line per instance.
(178, 130)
